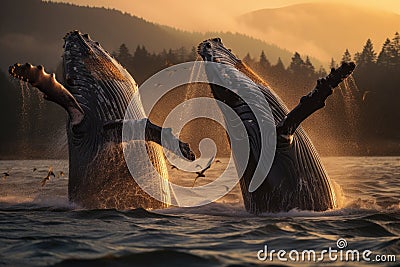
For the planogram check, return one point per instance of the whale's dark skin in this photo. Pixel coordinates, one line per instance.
(297, 178)
(96, 94)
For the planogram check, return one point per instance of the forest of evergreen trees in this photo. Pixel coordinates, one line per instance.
(142, 64)
(361, 117)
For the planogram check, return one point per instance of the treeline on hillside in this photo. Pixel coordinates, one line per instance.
(37, 34)
(365, 108)
(361, 115)
(142, 64)
(359, 118)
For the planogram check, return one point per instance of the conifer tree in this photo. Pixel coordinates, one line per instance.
(309, 68)
(264, 62)
(384, 57)
(297, 65)
(395, 51)
(346, 58)
(279, 68)
(333, 64)
(124, 57)
(367, 56)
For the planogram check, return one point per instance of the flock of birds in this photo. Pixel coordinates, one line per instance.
(50, 173)
(201, 169)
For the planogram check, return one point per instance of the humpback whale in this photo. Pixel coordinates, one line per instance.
(297, 178)
(96, 94)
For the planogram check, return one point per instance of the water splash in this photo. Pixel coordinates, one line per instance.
(25, 124)
(41, 105)
(25, 98)
(195, 90)
(59, 144)
(352, 100)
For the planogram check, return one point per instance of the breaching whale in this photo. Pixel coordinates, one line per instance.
(96, 94)
(297, 178)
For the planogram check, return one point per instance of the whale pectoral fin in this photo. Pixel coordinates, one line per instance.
(50, 87)
(314, 100)
(154, 133)
(165, 138)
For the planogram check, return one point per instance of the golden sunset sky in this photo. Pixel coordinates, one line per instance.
(179, 13)
(372, 19)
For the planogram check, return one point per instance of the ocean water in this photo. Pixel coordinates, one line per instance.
(39, 227)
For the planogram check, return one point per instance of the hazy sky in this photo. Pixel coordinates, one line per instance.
(221, 15)
(178, 13)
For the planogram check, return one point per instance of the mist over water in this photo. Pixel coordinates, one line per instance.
(40, 227)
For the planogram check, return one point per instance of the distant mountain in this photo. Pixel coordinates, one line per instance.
(33, 30)
(324, 30)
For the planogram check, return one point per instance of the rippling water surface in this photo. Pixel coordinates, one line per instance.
(39, 227)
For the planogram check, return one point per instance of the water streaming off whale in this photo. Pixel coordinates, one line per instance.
(196, 90)
(352, 100)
